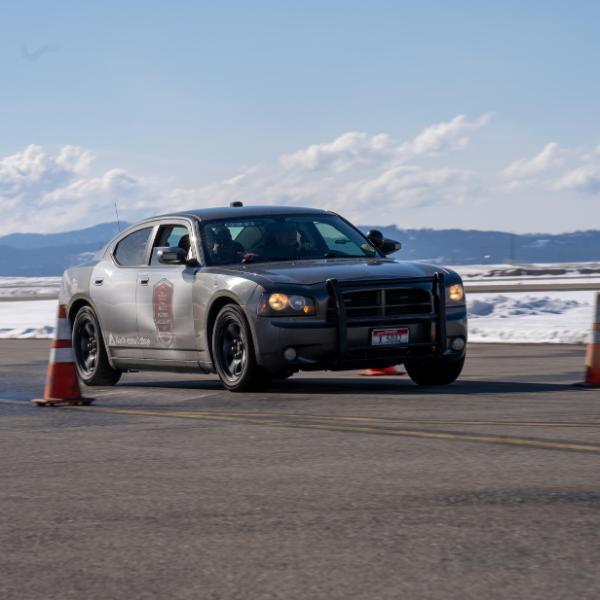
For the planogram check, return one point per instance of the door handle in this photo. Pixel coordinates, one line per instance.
(144, 279)
(99, 281)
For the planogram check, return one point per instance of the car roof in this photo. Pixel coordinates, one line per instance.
(231, 212)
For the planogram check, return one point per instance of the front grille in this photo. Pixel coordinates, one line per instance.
(382, 303)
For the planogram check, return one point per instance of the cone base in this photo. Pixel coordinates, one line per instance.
(54, 401)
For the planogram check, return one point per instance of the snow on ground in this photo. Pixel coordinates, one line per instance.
(29, 287)
(519, 317)
(28, 319)
(526, 317)
(531, 270)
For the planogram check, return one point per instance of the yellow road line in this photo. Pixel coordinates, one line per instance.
(385, 420)
(377, 420)
(420, 434)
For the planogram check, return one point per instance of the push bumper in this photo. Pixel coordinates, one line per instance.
(341, 342)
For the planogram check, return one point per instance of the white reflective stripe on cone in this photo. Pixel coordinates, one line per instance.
(63, 329)
(61, 355)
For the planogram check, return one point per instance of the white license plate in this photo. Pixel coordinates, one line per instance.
(389, 337)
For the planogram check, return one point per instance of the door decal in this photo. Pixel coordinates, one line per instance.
(162, 304)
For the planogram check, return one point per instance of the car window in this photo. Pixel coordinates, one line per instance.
(131, 250)
(337, 240)
(171, 236)
(282, 238)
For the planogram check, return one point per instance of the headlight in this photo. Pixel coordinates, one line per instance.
(278, 304)
(278, 301)
(456, 293)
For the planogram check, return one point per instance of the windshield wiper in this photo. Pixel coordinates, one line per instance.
(334, 254)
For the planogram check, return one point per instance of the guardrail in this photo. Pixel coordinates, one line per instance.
(528, 286)
(474, 287)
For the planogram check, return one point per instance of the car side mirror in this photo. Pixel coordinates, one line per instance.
(390, 246)
(375, 237)
(383, 244)
(172, 256)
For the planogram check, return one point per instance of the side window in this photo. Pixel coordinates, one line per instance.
(170, 236)
(131, 250)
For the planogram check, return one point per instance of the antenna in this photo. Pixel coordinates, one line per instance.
(117, 213)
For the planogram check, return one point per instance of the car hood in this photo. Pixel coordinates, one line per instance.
(309, 272)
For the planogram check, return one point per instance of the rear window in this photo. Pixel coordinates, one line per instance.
(131, 250)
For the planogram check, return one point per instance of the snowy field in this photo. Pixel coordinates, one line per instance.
(522, 317)
(513, 317)
(28, 287)
(28, 319)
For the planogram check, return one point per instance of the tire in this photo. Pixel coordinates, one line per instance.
(91, 359)
(233, 352)
(434, 371)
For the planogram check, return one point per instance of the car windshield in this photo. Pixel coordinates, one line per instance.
(282, 238)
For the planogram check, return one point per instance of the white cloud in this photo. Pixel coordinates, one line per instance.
(528, 167)
(405, 187)
(369, 178)
(442, 136)
(358, 148)
(347, 150)
(557, 170)
(42, 191)
(584, 179)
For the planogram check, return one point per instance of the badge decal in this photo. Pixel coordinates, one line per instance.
(162, 304)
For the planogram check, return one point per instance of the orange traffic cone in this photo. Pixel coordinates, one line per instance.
(62, 385)
(382, 372)
(592, 359)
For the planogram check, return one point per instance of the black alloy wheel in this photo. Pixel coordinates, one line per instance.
(233, 352)
(91, 360)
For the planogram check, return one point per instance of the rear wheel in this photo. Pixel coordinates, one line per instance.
(434, 371)
(233, 352)
(91, 359)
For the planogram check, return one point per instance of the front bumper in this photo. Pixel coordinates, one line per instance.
(340, 341)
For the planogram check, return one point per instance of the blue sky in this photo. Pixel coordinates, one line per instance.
(195, 103)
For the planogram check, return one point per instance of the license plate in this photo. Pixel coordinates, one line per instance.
(389, 337)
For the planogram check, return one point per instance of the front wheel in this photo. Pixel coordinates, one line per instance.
(233, 352)
(434, 371)
(91, 360)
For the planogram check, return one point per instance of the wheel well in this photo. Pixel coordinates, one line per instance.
(216, 306)
(75, 309)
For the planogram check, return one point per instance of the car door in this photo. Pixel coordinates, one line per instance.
(165, 297)
(113, 291)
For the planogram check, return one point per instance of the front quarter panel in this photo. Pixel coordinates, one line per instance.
(213, 289)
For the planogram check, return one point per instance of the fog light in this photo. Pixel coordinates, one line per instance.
(289, 353)
(457, 344)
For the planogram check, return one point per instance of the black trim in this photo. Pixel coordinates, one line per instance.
(440, 293)
(437, 317)
(333, 286)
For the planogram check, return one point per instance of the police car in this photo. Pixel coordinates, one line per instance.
(259, 293)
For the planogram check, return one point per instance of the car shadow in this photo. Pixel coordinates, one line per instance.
(358, 386)
(362, 386)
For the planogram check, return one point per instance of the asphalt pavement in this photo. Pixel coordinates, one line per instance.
(327, 486)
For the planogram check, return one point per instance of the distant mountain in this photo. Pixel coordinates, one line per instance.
(34, 254)
(98, 234)
(38, 254)
(461, 246)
